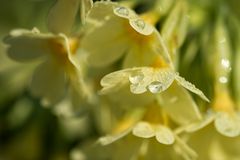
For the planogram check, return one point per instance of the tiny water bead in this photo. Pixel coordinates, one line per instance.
(155, 87)
(226, 64)
(135, 78)
(223, 79)
(139, 23)
(122, 11)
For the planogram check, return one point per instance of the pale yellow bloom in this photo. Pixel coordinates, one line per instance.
(118, 30)
(60, 55)
(142, 79)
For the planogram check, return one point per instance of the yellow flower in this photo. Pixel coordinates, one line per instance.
(119, 30)
(218, 147)
(224, 112)
(55, 51)
(60, 55)
(67, 10)
(142, 79)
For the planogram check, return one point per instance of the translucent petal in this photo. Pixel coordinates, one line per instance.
(114, 80)
(100, 11)
(112, 138)
(66, 10)
(141, 26)
(28, 45)
(144, 130)
(141, 55)
(85, 5)
(159, 46)
(104, 41)
(48, 82)
(137, 89)
(227, 124)
(166, 77)
(180, 106)
(164, 135)
(78, 56)
(191, 87)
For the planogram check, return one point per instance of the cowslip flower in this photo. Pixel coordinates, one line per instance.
(151, 125)
(143, 79)
(219, 146)
(119, 30)
(58, 53)
(135, 148)
(224, 112)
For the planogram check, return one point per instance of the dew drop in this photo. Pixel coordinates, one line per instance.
(122, 11)
(140, 23)
(136, 78)
(155, 87)
(226, 64)
(223, 79)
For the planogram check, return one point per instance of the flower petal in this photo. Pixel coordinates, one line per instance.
(100, 11)
(179, 105)
(115, 80)
(85, 5)
(112, 138)
(144, 130)
(227, 124)
(27, 45)
(105, 44)
(48, 82)
(191, 87)
(164, 135)
(66, 10)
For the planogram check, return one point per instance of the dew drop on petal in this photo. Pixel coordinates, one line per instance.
(122, 11)
(155, 87)
(223, 79)
(139, 23)
(136, 78)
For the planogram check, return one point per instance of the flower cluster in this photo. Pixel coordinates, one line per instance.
(125, 68)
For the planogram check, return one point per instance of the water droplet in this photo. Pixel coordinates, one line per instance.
(223, 79)
(122, 11)
(155, 87)
(226, 64)
(136, 78)
(140, 23)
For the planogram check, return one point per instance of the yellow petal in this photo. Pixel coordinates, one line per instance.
(62, 16)
(114, 81)
(48, 83)
(85, 6)
(105, 44)
(179, 105)
(112, 138)
(100, 12)
(144, 130)
(227, 124)
(27, 45)
(164, 135)
(191, 87)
